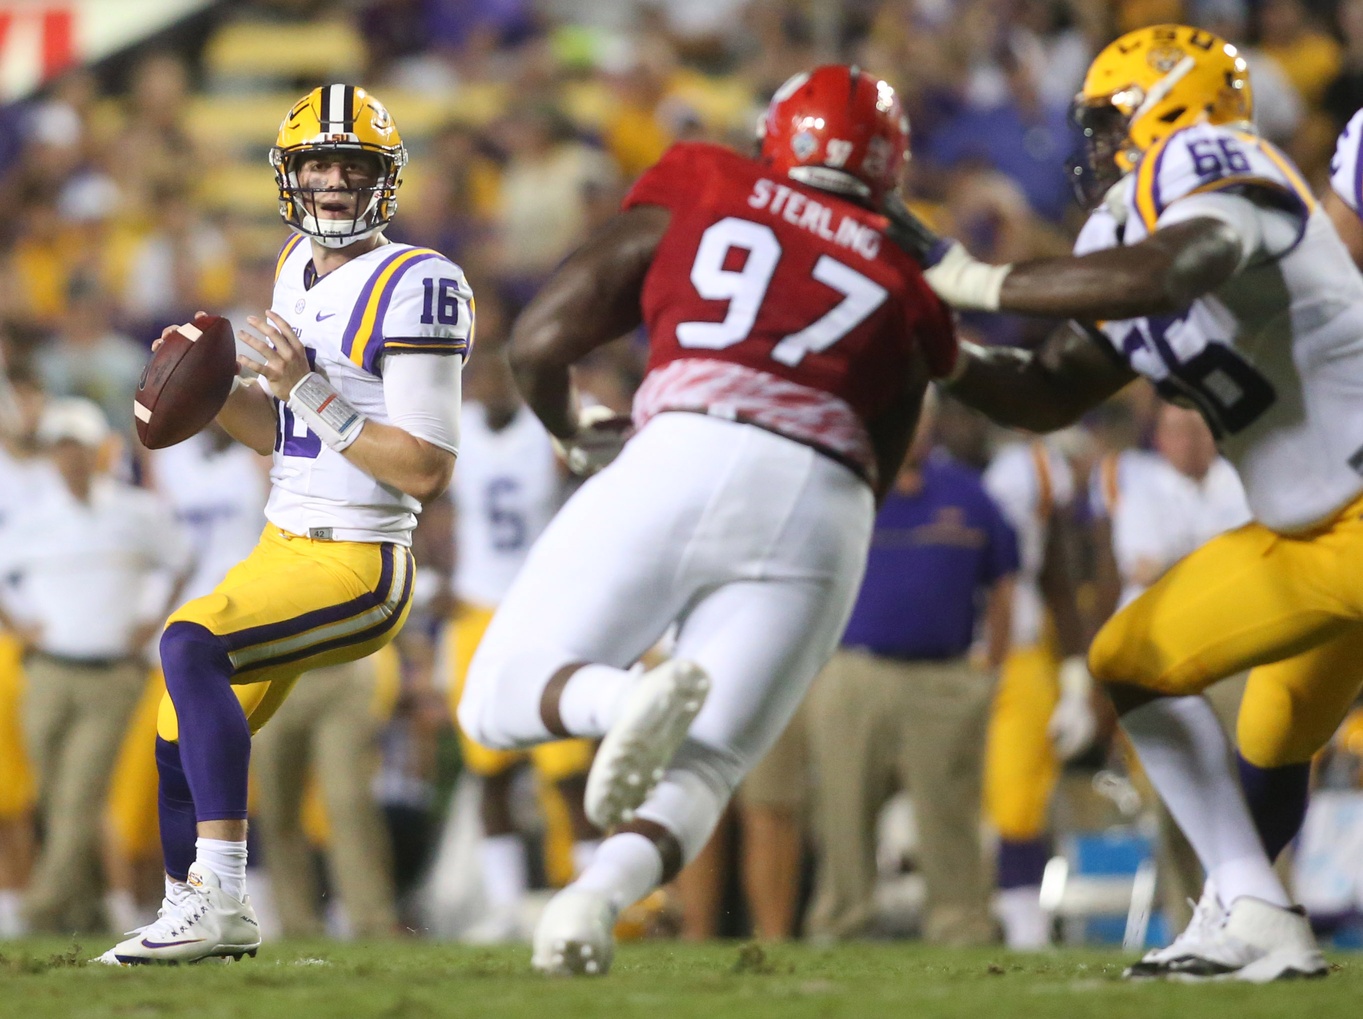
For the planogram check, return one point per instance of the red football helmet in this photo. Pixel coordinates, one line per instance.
(837, 128)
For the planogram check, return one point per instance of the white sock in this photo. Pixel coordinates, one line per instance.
(591, 699)
(504, 870)
(12, 923)
(1184, 751)
(583, 851)
(121, 910)
(626, 867)
(1026, 926)
(225, 859)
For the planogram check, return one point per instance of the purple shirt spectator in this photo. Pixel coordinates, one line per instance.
(932, 555)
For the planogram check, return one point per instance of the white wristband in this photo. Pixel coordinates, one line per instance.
(333, 418)
(965, 282)
(1074, 678)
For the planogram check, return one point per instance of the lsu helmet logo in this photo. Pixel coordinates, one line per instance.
(329, 120)
(1164, 58)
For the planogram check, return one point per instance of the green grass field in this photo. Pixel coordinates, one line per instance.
(299, 980)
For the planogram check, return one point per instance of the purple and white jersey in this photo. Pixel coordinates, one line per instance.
(1273, 358)
(394, 299)
(1346, 168)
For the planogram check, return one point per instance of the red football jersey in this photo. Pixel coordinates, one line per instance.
(785, 305)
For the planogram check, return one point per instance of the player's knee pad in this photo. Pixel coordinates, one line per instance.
(692, 795)
(191, 653)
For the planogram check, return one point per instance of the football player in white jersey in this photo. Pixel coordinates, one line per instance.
(508, 487)
(358, 363)
(1343, 200)
(1043, 709)
(1209, 268)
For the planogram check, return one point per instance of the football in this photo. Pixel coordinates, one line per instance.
(186, 382)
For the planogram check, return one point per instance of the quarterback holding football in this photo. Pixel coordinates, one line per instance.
(354, 390)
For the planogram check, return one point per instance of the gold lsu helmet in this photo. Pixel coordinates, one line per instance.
(338, 118)
(1151, 82)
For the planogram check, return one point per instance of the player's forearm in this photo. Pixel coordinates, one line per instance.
(249, 416)
(1014, 388)
(1160, 276)
(548, 391)
(395, 457)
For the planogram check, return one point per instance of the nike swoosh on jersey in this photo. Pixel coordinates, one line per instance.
(330, 314)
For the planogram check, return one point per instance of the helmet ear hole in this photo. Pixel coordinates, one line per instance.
(1169, 116)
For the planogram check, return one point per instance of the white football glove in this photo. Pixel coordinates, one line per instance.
(601, 434)
(964, 282)
(1073, 723)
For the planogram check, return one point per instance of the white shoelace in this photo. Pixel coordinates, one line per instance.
(175, 918)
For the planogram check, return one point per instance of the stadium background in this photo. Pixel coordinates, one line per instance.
(136, 187)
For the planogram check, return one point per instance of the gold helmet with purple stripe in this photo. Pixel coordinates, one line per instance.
(338, 120)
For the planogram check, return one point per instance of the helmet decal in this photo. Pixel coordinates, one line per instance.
(838, 129)
(1150, 83)
(338, 120)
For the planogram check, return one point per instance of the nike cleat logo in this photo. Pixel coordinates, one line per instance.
(169, 944)
(330, 314)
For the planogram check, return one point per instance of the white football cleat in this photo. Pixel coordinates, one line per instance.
(575, 935)
(654, 721)
(1255, 941)
(1208, 916)
(206, 924)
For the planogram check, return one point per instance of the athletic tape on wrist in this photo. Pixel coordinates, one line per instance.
(329, 414)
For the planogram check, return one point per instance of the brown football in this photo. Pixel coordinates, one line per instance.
(186, 382)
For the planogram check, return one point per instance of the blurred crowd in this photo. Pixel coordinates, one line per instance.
(139, 192)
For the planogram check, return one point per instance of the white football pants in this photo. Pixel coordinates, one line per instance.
(753, 543)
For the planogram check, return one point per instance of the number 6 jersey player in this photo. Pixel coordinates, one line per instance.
(358, 398)
(790, 349)
(1213, 272)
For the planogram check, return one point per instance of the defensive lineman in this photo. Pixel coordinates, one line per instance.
(358, 401)
(790, 349)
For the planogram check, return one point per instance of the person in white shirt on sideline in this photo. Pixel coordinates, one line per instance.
(83, 550)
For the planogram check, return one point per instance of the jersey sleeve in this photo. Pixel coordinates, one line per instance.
(419, 302)
(1346, 168)
(674, 178)
(1207, 158)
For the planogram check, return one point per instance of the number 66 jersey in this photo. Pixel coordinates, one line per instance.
(1273, 358)
(784, 306)
(393, 300)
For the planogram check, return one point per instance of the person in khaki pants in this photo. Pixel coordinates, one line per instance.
(329, 725)
(84, 551)
(903, 705)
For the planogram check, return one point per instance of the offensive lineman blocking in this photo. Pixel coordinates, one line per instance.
(358, 400)
(1211, 271)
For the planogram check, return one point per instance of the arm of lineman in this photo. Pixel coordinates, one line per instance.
(426, 386)
(1071, 372)
(591, 299)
